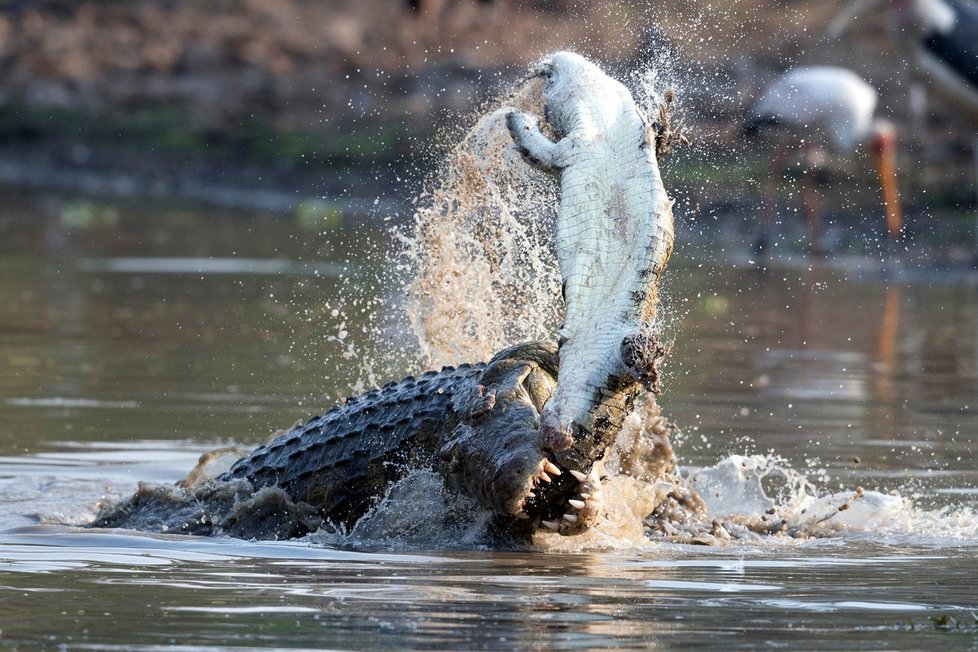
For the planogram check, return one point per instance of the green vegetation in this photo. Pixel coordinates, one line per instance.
(168, 129)
(317, 215)
(945, 623)
(714, 169)
(83, 215)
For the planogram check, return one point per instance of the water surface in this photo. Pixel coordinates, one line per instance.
(128, 350)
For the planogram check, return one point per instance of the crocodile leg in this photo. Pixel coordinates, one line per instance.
(538, 150)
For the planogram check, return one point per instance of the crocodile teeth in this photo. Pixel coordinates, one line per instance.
(570, 518)
(577, 504)
(551, 468)
(522, 515)
(580, 476)
(585, 496)
(551, 525)
(544, 477)
(530, 494)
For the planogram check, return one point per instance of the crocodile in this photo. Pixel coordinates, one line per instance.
(614, 238)
(520, 434)
(477, 425)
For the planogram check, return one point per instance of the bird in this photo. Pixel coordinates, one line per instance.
(943, 38)
(943, 35)
(833, 107)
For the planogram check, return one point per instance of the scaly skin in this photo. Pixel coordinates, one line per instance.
(342, 461)
(614, 238)
(478, 425)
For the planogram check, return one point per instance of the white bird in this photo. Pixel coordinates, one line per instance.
(833, 107)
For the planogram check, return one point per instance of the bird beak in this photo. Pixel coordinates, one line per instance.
(847, 16)
(884, 155)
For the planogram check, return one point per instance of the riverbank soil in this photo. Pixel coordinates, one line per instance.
(347, 105)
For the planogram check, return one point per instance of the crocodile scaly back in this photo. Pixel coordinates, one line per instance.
(342, 462)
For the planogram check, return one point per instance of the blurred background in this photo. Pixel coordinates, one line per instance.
(204, 206)
(344, 106)
(195, 194)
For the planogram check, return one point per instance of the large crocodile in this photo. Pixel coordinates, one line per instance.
(506, 433)
(477, 425)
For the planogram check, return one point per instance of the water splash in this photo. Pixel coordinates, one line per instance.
(479, 273)
(477, 270)
(763, 490)
(484, 271)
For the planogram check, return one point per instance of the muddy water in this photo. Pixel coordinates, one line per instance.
(128, 348)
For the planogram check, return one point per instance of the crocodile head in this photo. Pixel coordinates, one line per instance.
(578, 94)
(496, 453)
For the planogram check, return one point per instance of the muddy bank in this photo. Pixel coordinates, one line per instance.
(348, 106)
(243, 103)
(74, 168)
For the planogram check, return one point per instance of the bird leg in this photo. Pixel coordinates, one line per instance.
(769, 215)
(809, 200)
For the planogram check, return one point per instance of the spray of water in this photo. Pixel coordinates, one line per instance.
(484, 272)
(478, 272)
(484, 275)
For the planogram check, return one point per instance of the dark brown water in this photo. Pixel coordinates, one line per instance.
(126, 350)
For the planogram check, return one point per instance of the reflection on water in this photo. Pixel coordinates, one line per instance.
(211, 592)
(115, 366)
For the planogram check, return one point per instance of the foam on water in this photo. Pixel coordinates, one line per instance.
(765, 486)
(742, 507)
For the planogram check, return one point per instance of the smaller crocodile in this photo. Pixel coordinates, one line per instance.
(614, 239)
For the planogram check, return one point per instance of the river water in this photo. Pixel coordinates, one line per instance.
(131, 344)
